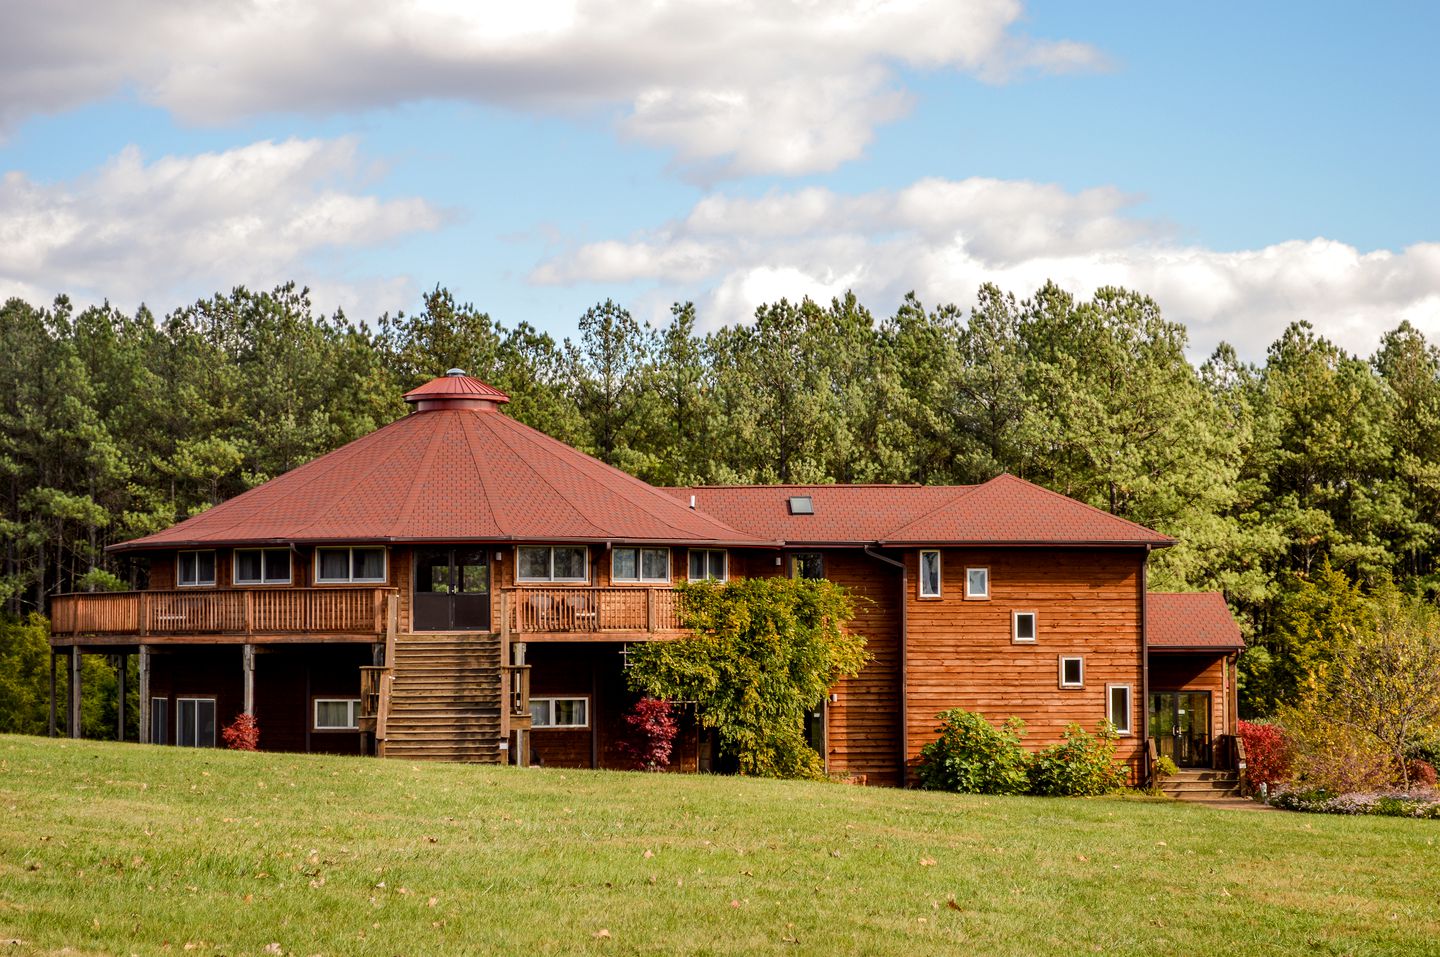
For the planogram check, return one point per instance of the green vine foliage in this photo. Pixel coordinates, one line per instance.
(763, 651)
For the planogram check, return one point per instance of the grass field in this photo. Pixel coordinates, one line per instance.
(119, 849)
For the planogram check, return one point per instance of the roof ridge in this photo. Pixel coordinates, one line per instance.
(504, 440)
(1080, 502)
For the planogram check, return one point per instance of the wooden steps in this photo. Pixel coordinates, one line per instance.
(445, 703)
(1201, 784)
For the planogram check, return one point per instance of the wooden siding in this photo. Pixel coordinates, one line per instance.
(1175, 671)
(960, 653)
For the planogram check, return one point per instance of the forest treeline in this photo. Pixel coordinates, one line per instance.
(1314, 466)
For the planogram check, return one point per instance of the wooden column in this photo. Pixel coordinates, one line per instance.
(144, 694)
(74, 691)
(53, 669)
(122, 665)
(247, 663)
(522, 750)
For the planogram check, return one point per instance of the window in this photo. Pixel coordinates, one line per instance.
(977, 583)
(159, 720)
(337, 714)
(342, 565)
(807, 565)
(708, 563)
(930, 574)
(560, 712)
(195, 722)
(262, 566)
(640, 564)
(802, 505)
(1118, 698)
(1072, 672)
(195, 568)
(563, 563)
(1022, 627)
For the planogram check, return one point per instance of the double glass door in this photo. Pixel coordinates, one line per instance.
(452, 589)
(1180, 725)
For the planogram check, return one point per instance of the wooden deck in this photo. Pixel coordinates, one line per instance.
(617, 613)
(220, 616)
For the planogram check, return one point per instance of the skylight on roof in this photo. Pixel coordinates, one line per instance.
(802, 505)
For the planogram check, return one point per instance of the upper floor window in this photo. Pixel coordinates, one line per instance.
(630, 564)
(561, 563)
(344, 565)
(977, 583)
(1023, 626)
(195, 568)
(262, 566)
(930, 574)
(807, 565)
(1072, 671)
(708, 563)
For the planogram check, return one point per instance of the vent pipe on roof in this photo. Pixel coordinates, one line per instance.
(692, 501)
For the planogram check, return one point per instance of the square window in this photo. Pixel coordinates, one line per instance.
(195, 568)
(369, 564)
(195, 722)
(570, 713)
(625, 564)
(807, 565)
(1023, 629)
(977, 583)
(334, 564)
(655, 564)
(707, 563)
(276, 562)
(337, 714)
(570, 563)
(1118, 698)
(534, 563)
(247, 566)
(930, 574)
(1072, 672)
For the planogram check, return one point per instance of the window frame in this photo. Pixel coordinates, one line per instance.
(235, 578)
(1110, 689)
(350, 551)
(583, 580)
(214, 566)
(724, 554)
(794, 569)
(550, 700)
(1071, 685)
(973, 596)
(214, 724)
(939, 591)
(1015, 638)
(639, 551)
(315, 724)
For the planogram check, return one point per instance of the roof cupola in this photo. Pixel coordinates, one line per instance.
(456, 390)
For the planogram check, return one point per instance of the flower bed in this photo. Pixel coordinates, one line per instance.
(1424, 803)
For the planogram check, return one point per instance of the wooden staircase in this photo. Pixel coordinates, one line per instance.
(444, 704)
(1201, 784)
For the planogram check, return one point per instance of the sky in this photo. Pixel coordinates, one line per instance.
(1247, 165)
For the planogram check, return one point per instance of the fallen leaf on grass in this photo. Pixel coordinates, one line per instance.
(602, 934)
(927, 862)
(951, 904)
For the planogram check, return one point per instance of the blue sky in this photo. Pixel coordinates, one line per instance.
(1247, 165)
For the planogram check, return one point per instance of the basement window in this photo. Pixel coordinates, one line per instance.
(195, 722)
(1022, 627)
(262, 566)
(337, 714)
(930, 574)
(802, 505)
(1072, 671)
(560, 712)
(640, 564)
(1117, 698)
(195, 569)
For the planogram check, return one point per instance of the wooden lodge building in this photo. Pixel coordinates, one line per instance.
(459, 586)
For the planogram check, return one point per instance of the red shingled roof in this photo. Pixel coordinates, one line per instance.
(456, 385)
(1191, 620)
(467, 473)
(844, 514)
(1009, 510)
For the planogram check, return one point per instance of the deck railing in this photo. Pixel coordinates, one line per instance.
(236, 611)
(593, 610)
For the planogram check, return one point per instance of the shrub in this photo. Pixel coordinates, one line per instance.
(1422, 773)
(1080, 766)
(972, 756)
(242, 734)
(1267, 752)
(1164, 767)
(651, 728)
(1333, 757)
(1381, 805)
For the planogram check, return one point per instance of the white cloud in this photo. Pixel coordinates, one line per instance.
(944, 238)
(733, 87)
(183, 226)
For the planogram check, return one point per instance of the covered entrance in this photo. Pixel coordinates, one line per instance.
(1180, 726)
(452, 589)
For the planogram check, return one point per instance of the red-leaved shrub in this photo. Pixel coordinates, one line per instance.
(1422, 773)
(651, 738)
(1267, 753)
(242, 734)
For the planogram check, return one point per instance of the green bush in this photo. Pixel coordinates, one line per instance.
(1164, 767)
(1080, 766)
(972, 756)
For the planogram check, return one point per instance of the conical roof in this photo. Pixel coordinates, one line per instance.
(456, 469)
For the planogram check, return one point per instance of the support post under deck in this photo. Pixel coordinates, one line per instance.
(247, 664)
(122, 665)
(74, 691)
(144, 694)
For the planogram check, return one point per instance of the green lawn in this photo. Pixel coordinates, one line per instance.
(119, 849)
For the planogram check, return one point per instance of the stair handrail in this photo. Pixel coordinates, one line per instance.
(1241, 776)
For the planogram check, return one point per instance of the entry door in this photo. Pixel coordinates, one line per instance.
(1180, 725)
(452, 589)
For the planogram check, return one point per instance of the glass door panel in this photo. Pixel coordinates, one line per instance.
(470, 604)
(434, 582)
(452, 589)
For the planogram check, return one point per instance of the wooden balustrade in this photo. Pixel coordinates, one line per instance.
(593, 610)
(237, 611)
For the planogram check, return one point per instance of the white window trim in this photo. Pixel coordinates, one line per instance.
(639, 564)
(1129, 729)
(977, 596)
(350, 553)
(940, 584)
(235, 578)
(354, 704)
(180, 556)
(214, 703)
(550, 703)
(1015, 627)
(1070, 686)
(584, 579)
(724, 563)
